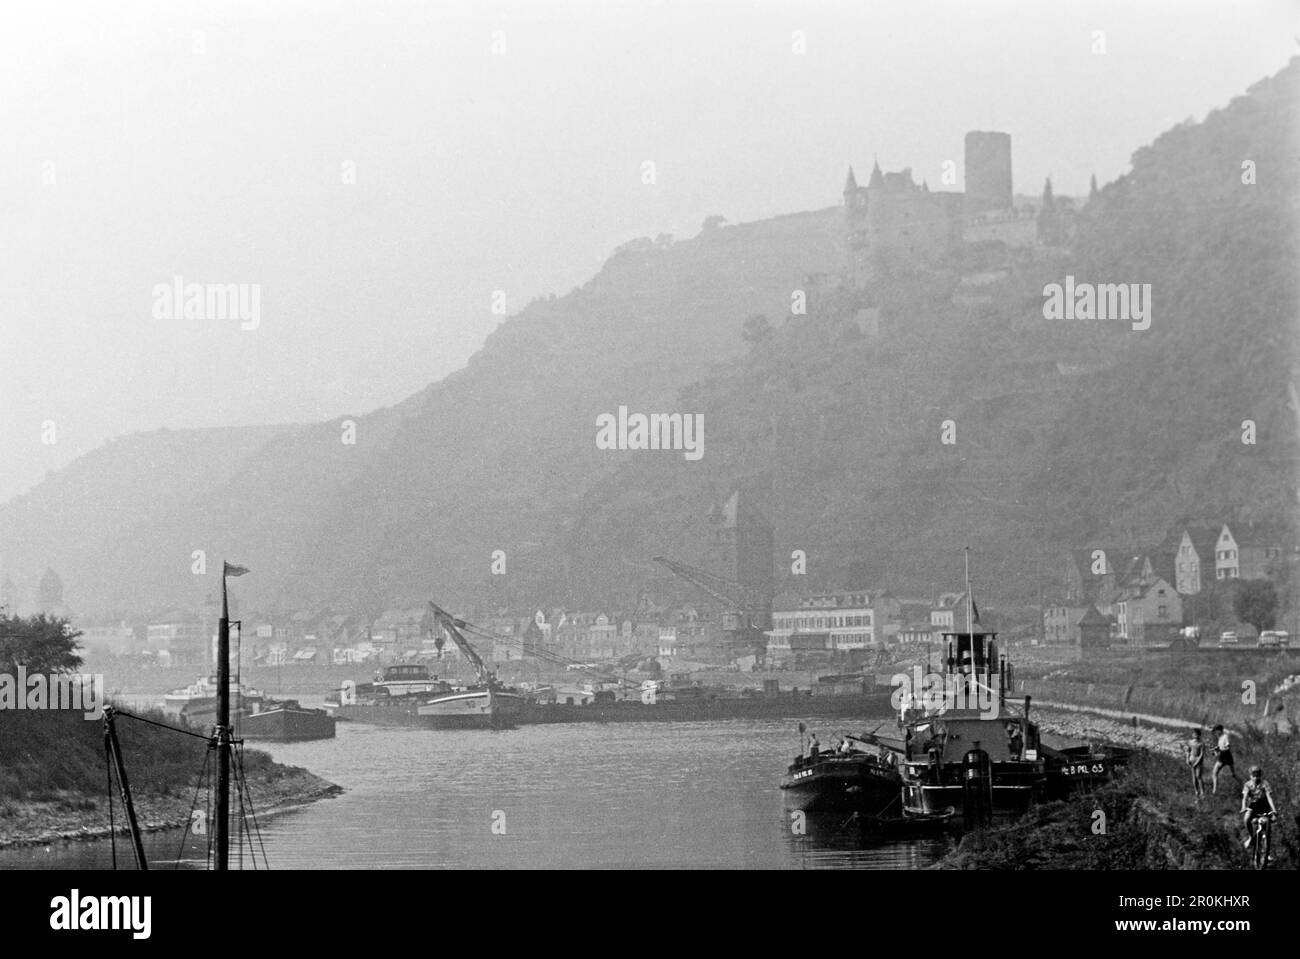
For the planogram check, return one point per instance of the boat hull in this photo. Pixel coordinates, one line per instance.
(288, 725)
(842, 784)
(1082, 769)
(1015, 788)
(470, 709)
(473, 709)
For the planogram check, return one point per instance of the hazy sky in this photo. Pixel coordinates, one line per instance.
(143, 141)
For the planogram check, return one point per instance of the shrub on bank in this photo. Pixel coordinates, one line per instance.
(1151, 822)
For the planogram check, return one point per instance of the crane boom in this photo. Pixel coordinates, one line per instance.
(450, 626)
(723, 590)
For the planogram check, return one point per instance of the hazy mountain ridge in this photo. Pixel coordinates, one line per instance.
(1132, 431)
(834, 431)
(490, 457)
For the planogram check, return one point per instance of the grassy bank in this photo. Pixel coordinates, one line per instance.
(1238, 688)
(53, 779)
(1152, 821)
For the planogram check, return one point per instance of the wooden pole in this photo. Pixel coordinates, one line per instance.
(115, 750)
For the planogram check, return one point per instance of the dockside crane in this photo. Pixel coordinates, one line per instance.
(746, 611)
(450, 625)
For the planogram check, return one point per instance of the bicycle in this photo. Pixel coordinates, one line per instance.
(1261, 828)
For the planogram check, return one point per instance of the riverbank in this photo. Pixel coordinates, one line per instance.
(1149, 819)
(54, 787)
(76, 817)
(1238, 688)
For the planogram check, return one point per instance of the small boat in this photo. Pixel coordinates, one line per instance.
(1082, 768)
(197, 703)
(286, 721)
(912, 823)
(859, 779)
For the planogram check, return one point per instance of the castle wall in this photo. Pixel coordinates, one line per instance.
(1014, 231)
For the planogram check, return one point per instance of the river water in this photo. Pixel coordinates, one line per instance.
(622, 795)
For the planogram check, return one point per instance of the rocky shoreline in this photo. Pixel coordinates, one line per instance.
(76, 817)
(1083, 727)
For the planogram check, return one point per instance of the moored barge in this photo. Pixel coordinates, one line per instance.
(287, 721)
(857, 778)
(409, 695)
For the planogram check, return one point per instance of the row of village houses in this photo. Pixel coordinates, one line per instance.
(184, 638)
(1115, 595)
(1109, 595)
(823, 622)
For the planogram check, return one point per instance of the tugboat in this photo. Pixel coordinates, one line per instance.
(861, 776)
(964, 750)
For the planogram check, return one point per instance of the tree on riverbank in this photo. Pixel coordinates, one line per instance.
(1255, 602)
(41, 644)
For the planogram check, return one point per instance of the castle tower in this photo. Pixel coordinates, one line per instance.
(855, 229)
(877, 177)
(745, 544)
(988, 172)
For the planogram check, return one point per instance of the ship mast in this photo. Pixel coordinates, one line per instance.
(223, 730)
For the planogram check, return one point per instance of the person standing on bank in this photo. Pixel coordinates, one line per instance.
(1194, 749)
(1222, 758)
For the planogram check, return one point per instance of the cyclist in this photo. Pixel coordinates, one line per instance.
(1256, 800)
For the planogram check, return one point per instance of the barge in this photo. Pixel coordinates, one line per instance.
(286, 721)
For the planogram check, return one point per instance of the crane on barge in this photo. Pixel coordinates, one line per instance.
(451, 626)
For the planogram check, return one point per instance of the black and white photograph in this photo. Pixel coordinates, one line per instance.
(853, 437)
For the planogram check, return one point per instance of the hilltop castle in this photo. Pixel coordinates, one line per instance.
(892, 222)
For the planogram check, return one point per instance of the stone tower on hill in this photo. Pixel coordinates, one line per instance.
(744, 543)
(988, 172)
(892, 223)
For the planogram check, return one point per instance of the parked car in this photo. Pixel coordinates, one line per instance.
(1273, 639)
(1228, 638)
